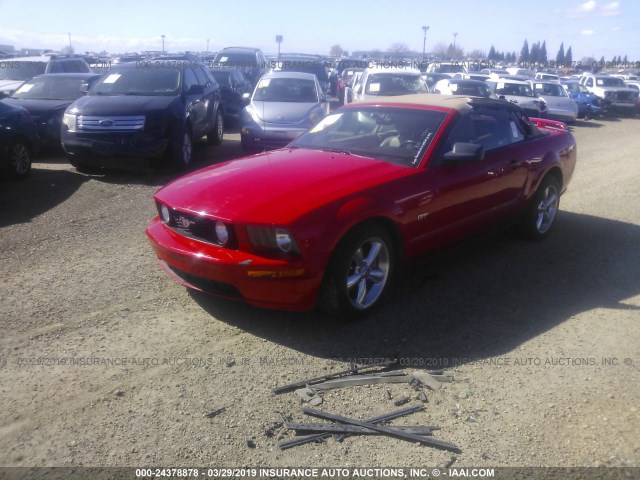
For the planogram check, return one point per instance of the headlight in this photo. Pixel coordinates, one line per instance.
(272, 239)
(284, 240)
(315, 117)
(222, 233)
(165, 214)
(250, 114)
(69, 121)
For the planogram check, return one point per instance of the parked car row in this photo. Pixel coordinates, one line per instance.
(155, 109)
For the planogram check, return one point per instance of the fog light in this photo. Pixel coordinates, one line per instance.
(222, 233)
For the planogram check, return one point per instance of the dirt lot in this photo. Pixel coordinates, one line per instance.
(542, 339)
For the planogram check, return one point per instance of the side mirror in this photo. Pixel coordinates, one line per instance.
(84, 88)
(195, 90)
(246, 98)
(464, 152)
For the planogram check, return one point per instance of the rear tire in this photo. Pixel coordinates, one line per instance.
(359, 273)
(543, 210)
(215, 136)
(182, 152)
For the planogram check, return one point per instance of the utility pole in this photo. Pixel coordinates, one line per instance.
(424, 40)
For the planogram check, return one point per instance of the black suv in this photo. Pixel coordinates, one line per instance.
(251, 61)
(145, 110)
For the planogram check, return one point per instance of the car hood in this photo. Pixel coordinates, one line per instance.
(282, 112)
(39, 108)
(120, 104)
(275, 187)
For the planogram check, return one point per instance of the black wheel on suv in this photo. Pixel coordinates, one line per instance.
(182, 151)
(214, 137)
(18, 155)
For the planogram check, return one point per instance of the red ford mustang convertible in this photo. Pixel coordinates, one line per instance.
(329, 220)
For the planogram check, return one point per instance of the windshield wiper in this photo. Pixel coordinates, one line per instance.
(337, 150)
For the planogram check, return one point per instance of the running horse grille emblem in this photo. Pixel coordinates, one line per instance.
(184, 223)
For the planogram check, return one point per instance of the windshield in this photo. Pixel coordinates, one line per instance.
(50, 88)
(471, 89)
(514, 89)
(285, 90)
(221, 77)
(395, 84)
(550, 90)
(139, 81)
(305, 66)
(610, 82)
(392, 134)
(240, 60)
(449, 68)
(20, 70)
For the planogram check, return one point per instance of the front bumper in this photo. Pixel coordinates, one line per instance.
(254, 136)
(261, 282)
(113, 145)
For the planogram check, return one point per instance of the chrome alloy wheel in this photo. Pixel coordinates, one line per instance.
(368, 273)
(547, 209)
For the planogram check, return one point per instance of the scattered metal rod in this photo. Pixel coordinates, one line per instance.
(343, 428)
(430, 441)
(214, 413)
(354, 369)
(368, 379)
(373, 420)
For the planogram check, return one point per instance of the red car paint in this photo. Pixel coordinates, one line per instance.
(319, 196)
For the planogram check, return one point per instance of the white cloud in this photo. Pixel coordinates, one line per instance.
(587, 32)
(591, 9)
(81, 43)
(610, 9)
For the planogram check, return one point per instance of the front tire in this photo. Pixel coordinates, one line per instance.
(359, 273)
(19, 158)
(541, 214)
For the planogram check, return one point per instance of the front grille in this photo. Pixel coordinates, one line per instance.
(625, 96)
(107, 124)
(198, 227)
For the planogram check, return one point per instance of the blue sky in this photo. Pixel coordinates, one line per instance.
(590, 27)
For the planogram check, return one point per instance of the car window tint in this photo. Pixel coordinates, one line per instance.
(189, 79)
(202, 78)
(491, 128)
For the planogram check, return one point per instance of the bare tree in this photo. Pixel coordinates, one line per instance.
(336, 51)
(399, 48)
(440, 49)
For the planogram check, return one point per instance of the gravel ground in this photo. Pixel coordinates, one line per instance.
(541, 339)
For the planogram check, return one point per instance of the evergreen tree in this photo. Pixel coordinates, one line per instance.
(534, 54)
(492, 53)
(524, 53)
(560, 57)
(568, 57)
(543, 53)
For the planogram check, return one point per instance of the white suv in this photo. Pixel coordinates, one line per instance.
(612, 91)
